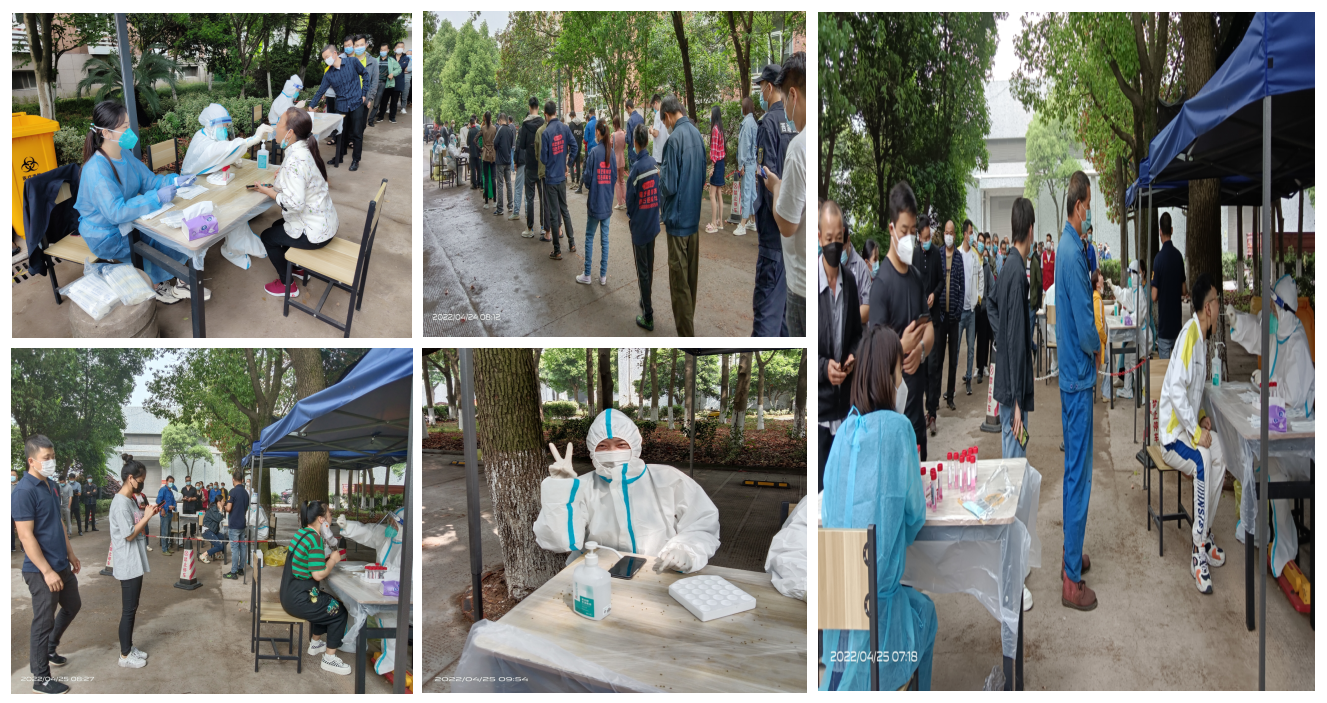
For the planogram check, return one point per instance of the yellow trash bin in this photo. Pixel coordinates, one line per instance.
(34, 153)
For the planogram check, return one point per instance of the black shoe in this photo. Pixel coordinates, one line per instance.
(95, 530)
(949, 402)
(647, 325)
(571, 248)
(50, 685)
(354, 165)
(967, 386)
(56, 659)
(334, 164)
(556, 256)
(229, 575)
(392, 121)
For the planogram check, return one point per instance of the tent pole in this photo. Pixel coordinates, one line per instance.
(469, 441)
(691, 412)
(127, 74)
(1263, 495)
(404, 600)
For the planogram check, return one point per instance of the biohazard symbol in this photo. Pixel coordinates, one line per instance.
(29, 165)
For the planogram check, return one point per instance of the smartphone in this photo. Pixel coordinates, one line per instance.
(1022, 437)
(924, 319)
(254, 186)
(626, 567)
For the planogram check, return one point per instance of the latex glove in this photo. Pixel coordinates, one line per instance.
(300, 104)
(674, 557)
(341, 521)
(1230, 315)
(561, 467)
(166, 193)
(265, 130)
(1256, 378)
(185, 181)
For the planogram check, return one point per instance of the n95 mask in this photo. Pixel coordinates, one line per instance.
(608, 460)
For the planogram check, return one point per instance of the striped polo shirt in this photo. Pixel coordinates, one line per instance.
(307, 554)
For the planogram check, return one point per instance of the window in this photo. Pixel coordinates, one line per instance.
(24, 80)
(189, 72)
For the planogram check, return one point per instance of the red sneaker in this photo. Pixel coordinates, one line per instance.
(275, 288)
(300, 274)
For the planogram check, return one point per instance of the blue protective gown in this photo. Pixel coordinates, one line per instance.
(872, 477)
(104, 204)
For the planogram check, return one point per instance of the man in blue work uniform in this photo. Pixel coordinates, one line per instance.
(1076, 333)
(166, 501)
(633, 119)
(772, 138)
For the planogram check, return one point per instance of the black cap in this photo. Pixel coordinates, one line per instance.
(769, 73)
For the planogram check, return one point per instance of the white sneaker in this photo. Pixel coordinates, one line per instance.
(149, 549)
(403, 111)
(333, 663)
(583, 279)
(182, 291)
(132, 662)
(528, 234)
(317, 647)
(136, 652)
(1027, 599)
(739, 230)
(165, 294)
(603, 280)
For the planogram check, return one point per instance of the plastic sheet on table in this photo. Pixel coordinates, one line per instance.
(196, 257)
(989, 562)
(1242, 456)
(500, 658)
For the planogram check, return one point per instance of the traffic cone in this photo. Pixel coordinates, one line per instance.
(188, 572)
(109, 570)
(992, 423)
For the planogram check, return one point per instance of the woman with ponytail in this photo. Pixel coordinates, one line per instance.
(115, 188)
(129, 525)
(302, 592)
(600, 176)
(308, 216)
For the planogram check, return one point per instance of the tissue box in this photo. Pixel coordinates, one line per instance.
(391, 588)
(201, 226)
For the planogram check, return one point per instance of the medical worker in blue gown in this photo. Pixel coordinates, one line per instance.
(115, 188)
(871, 478)
(626, 504)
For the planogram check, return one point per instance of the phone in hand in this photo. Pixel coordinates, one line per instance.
(924, 319)
(1022, 437)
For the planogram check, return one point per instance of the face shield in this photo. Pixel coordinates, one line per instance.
(608, 425)
(215, 121)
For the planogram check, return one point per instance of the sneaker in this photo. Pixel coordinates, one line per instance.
(275, 288)
(136, 652)
(333, 663)
(182, 291)
(132, 662)
(50, 685)
(300, 274)
(647, 325)
(949, 402)
(1027, 599)
(229, 575)
(603, 280)
(1215, 555)
(967, 387)
(930, 425)
(392, 121)
(149, 549)
(57, 660)
(555, 256)
(317, 647)
(498, 211)
(1198, 567)
(165, 293)
(583, 279)
(739, 230)
(403, 111)
(528, 234)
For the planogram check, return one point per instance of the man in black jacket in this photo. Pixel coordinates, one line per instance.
(1008, 309)
(949, 303)
(840, 329)
(986, 288)
(528, 147)
(502, 161)
(472, 143)
(929, 262)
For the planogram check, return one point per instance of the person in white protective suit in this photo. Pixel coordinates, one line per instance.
(786, 561)
(286, 100)
(1291, 368)
(626, 504)
(385, 539)
(1133, 301)
(1186, 430)
(210, 150)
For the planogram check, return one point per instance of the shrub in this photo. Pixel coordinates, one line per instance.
(1110, 269)
(571, 430)
(629, 410)
(561, 409)
(69, 144)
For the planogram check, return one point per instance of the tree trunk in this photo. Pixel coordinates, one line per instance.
(742, 50)
(723, 388)
(311, 479)
(683, 47)
(37, 27)
(589, 381)
(688, 372)
(760, 389)
(605, 378)
(654, 363)
(743, 390)
(672, 380)
(428, 391)
(799, 401)
(514, 462)
(1202, 244)
(308, 44)
(1124, 217)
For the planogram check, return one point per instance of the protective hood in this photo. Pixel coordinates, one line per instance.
(212, 117)
(613, 423)
(1288, 294)
(293, 85)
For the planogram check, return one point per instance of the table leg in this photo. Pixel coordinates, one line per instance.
(1250, 547)
(1018, 663)
(361, 656)
(134, 257)
(196, 303)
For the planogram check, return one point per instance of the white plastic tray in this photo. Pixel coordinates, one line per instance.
(710, 597)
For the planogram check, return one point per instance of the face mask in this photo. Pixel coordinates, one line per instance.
(390, 532)
(329, 60)
(833, 253)
(609, 459)
(949, 241)
(382, 54)
(926, 245)
(981, 248)
(400, 51)
(906, 245)
(13, 479)
(359, 51)
(764, 106)
(788, 115)
(1087, 222)
(900, 397)
(171, 484)
(127, 141)
(48, 467)
(875, 268)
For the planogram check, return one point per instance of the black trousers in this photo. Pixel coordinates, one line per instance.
(48, 625)
(534, 188)
(90, 516)
(277, 243)
(352, 128)
(375, 114)
(983, 340)
(645, 276)
(390, 97)
(555, 196)
(947, 338)
(826, 443)
(327, 616)
(74, 513)
(915, 410)
(130, 590)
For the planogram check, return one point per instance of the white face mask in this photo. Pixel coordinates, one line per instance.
(609, 460)
(330, 61)
(949, 241)
(906, 244)
(47, 469)
(901, 397)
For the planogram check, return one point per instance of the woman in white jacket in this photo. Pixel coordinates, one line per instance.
(308, 218)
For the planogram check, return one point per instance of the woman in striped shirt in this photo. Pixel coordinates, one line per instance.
(302, 594)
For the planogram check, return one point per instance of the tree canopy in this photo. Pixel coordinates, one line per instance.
(1050, 162)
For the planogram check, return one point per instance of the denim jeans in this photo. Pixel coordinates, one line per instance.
(216, 541)
(794, 315)
(590, 223)
(1009, 447)
(520, 190)
(1165, 347)
(967, 331)
(163, 539)
(237, 549)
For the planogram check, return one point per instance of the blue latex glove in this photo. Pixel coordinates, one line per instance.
(166, 193)
(185, 181)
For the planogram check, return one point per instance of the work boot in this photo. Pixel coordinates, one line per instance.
(1198, 567)
(1087, 564)
(1077, 595)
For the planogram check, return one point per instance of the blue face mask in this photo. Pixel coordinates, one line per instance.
(875, 268)
(981, 247)
(128, 140)
(926, 245)
(764, 106)
(1087, 223)
(788, 117)
(348, 51)
(382, 54)
(359, 51)
(221, 134)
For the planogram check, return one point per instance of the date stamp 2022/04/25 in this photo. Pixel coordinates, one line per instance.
(466, 317)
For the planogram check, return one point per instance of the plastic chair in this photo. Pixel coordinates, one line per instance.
(341, 264)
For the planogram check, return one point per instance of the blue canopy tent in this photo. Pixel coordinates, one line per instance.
(1254, 119)
(366, 413)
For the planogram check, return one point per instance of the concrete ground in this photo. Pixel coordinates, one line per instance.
(748, 520)
(180, 630)
(385, 311)
(1152, 629)
(481, 278)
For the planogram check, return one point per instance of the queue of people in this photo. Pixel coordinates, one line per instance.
(658, 174)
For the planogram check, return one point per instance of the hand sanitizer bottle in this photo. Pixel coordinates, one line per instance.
(262, 155)
(591, 587)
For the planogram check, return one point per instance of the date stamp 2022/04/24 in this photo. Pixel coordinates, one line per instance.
(466, 317)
